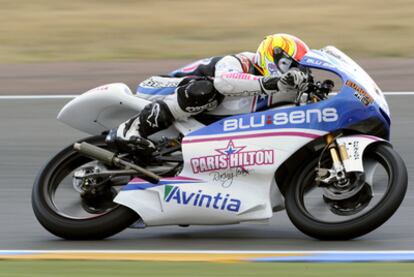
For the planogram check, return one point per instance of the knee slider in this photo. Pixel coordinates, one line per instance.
(155, 117)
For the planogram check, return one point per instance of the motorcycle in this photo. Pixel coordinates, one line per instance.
(324, 157)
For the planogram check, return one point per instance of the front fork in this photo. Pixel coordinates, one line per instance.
(338, 154)
(346, 178)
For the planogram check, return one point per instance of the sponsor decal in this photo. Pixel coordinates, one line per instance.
(226, 178)
(360, 93)
(152, 119)
(332, 53)
(160, 82)
(232, 156)
(317, 62)
(176, 195)
(272, 68)
(281, 118)
(196, 109)
(353, 149)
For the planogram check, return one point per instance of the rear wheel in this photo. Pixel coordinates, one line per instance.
(329, 214)
(65, 205)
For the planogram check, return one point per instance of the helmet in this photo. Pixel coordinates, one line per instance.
(279, 52)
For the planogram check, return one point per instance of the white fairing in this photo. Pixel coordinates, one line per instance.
(355, 146)
(105, 107)
(213, 190)
(101, 108)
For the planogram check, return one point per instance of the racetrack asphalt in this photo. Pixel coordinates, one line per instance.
(30, 135)
(391, 74)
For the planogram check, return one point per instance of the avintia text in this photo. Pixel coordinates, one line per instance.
(174, 194)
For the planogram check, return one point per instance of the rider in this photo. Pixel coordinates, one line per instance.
(202, 85)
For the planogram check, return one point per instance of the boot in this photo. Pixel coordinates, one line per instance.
(132, 134)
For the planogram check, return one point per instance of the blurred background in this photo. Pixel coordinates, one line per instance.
(104, 30)
(68, 47)
(103, 41)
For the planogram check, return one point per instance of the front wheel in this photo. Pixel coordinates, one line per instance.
(63, 207)
(381, 193)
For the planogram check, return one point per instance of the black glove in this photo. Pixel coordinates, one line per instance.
(269, 84)
(293, 80)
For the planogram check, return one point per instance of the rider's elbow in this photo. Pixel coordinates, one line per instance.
(223, 86)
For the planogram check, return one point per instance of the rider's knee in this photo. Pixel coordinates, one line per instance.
(197, 96)
(154, 117)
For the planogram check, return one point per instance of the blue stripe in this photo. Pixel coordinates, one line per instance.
(342, 257)
(144, 186)
(16, 252)
(156, 91)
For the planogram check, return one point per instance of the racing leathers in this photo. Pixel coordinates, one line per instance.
(198, 87)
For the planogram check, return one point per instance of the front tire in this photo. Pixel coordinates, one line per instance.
(98, 225)
(358, 225)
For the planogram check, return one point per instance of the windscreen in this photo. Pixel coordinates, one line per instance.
(354, 71)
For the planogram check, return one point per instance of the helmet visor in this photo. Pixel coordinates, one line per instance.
(283, 62)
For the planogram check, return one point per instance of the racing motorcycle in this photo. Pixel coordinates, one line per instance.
(324, 157)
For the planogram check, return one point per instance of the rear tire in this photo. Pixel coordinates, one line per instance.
(361, 225)
(94, 228)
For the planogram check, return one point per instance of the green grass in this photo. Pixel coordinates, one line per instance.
(101, 30)
(171, 269)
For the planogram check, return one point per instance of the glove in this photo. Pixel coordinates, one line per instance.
(269, 85)
(293, 80)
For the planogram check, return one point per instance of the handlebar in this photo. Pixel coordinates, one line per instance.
(316, 91)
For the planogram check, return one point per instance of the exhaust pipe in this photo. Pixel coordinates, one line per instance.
(110, 158)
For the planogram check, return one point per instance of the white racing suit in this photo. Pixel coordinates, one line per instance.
(199, 87)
